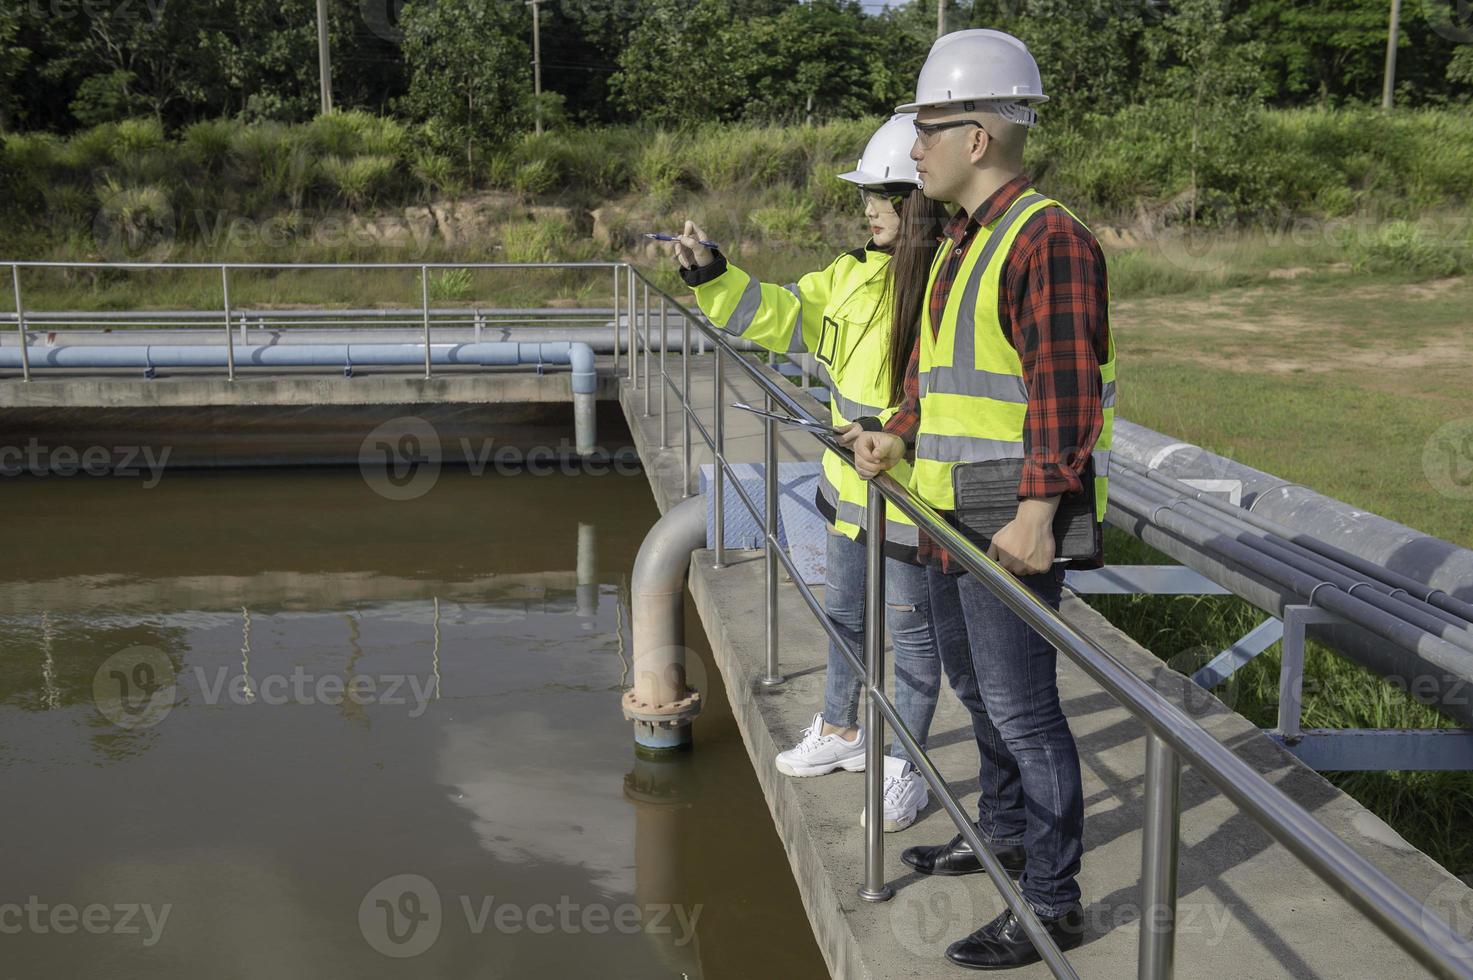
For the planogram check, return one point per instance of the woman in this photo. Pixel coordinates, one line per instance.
(859, 318)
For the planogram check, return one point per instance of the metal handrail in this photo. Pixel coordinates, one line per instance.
(1172, 736)
(425, 314)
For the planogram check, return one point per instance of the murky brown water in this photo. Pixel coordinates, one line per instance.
(272, 724)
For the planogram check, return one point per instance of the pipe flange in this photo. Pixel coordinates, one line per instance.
(671, 715)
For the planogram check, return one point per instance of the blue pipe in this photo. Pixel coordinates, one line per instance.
(148, 356)
(578, 355)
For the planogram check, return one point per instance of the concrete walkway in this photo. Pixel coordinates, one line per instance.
(1247, 907)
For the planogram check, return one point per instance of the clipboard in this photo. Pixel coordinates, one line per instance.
(986, 499)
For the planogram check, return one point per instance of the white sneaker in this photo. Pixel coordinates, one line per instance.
(904, 793)
(817, 754)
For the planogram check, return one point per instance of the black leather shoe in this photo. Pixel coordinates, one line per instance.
(958, 858)
(1002, 944)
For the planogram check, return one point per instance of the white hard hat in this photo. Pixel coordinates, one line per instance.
(886, 158)
(980, 66)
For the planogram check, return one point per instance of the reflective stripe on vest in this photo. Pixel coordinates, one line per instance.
(849, 517)
(974, 405)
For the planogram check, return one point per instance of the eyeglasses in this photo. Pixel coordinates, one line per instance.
(895, 200)
(927, 132)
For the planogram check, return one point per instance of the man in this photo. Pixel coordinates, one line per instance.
(1014, 360)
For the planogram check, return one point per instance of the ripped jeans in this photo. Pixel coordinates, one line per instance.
(908, 618)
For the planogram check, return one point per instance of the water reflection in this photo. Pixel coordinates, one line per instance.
(442, 706)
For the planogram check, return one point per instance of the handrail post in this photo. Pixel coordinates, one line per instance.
(616, 318)
(20, 323)
(229, 337)
(717, 471)
(664, 379)
(685, 405)
(629, 318)
(1159, 847)
(646, 349)
(874, 889)
(424, 287)
(769, 486)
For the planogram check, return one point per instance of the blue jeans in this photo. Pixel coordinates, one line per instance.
(1029, 783)
(908, 617)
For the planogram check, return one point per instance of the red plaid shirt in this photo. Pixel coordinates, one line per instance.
(1053, 310)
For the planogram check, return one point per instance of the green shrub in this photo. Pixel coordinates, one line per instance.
(433, 171)
(135, 220)
(1402, 247)
(206, 144)
(535, 177)
(538, 240)
(791, 224)
(357, 179)
(450, 284)
(660, 164)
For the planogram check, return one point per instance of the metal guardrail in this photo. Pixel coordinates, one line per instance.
(1172, 737)
(228, 322)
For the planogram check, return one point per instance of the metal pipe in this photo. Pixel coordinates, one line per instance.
(770, 548)
(685, 407)
(616, 320)
(659, 703)
(20, 324)
(1395, 580)
(646, 333)
(424, 286)
(875, 889)
(718, 471)
(583, 379)
(1160, 842)
(664, 378)
(629, 319)
(229, 337)
(587, 566)
(1429, 618)
(1438, 564)
(1271, 585)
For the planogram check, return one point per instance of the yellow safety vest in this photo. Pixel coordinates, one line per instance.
(973, 396)
(841, 315)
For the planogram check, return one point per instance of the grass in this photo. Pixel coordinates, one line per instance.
(1336, 381)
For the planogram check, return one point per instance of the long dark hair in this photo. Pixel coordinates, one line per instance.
(921, 224)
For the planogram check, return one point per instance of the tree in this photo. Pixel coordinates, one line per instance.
(470, 76)
(1331, 50)
(686, 63)
(13, 58)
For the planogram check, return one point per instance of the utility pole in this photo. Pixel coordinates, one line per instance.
(324, 64)
(1388, 88)
(536, 64)
(940, 18)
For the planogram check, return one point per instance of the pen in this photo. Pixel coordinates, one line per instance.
(660, 236)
